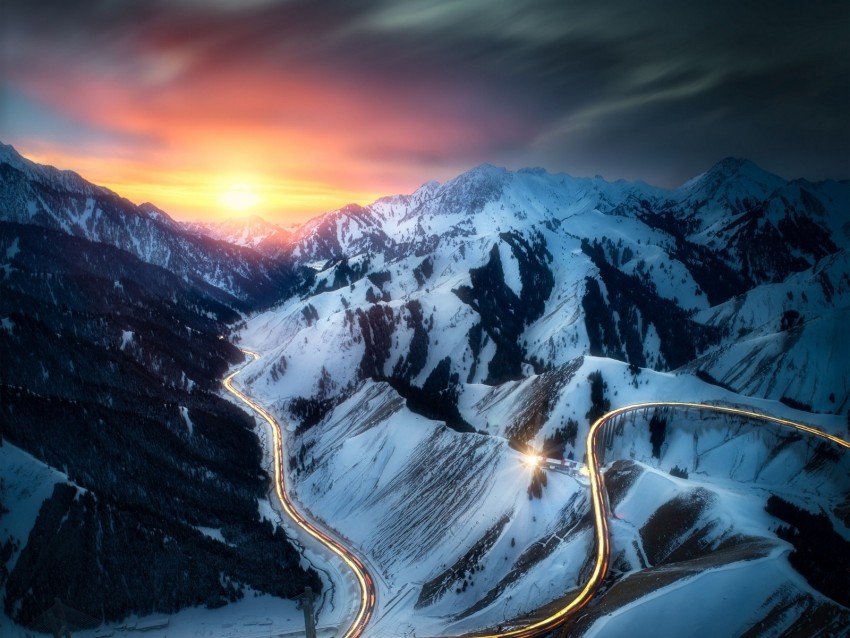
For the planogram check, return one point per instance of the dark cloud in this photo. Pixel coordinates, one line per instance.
(656, 90)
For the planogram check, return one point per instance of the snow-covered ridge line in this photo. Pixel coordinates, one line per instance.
(62, 201)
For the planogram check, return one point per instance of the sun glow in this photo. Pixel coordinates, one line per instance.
(240, 197)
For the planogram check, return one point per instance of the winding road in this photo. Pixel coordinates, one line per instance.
(599, 501)
(367, 587)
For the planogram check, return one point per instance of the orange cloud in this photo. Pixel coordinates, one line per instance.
(324, 102)
(176, 107)
(177, 110)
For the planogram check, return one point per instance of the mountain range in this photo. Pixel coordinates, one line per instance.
(417, 346)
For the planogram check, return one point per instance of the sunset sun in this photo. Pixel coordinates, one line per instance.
(239, 197)
(375, 318)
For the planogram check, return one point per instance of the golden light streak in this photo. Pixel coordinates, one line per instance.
(599, 500)
(364, 581)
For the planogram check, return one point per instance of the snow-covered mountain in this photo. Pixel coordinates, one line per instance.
(762, 226)
(488, 304)
(251, 231)
(415, 347)
(530, 270)
(39, 195)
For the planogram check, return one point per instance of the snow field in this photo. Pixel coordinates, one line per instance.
(379, 473)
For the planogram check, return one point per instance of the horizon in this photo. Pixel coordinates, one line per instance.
(292, 109)
(458, 318)
(292, 224)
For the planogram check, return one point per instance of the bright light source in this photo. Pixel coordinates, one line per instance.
(531, 459)
(583, 470)
(240, 197)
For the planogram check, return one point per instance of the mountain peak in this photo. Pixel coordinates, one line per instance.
(429, 187)
(733, 173)
(8, 155)
(732, 164)
(154, 211)
(485, 170)
(483, 175)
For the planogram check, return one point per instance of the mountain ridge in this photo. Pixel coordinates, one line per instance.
(435, 334)
(643, 246)
(39, 195)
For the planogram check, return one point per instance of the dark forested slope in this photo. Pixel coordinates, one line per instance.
(111, 370)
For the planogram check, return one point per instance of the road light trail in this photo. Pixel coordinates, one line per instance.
(599, 500)
(364, 581)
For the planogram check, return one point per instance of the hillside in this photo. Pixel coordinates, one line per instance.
(487, 304)
(113, 351)
(415, 349)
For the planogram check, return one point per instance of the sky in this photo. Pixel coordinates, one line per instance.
(290, 108)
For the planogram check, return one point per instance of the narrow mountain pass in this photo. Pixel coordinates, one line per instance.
(365, 583)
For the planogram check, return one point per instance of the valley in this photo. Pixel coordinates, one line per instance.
(414, 352)
(731, 547)
(364, 580)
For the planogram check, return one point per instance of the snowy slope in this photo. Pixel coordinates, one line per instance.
(709, 538)
(488, 303)
(26, 483)
(788, 339)
(425, 504)
(522, 271)
(400, 487)
(61, 200)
